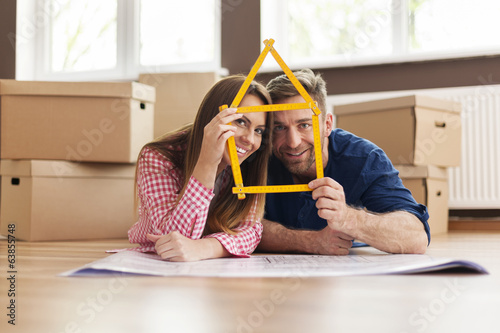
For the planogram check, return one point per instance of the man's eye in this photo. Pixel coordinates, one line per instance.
(278, 128)
(305, 125)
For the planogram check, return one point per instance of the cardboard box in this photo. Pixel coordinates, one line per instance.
(417, 130)
(178, 97)
(429, 186)
(77, 121)
(60, 200)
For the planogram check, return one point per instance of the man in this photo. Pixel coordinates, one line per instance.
(360, 198)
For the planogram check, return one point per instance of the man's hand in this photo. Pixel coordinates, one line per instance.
(278, 238)
(330, 201)
(330, 242)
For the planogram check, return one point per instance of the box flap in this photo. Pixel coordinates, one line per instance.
(398, 103)
(399, 145)
(421, 171)
(1, 83)
(48, 168)
(133, 90)
(438, 138)
(18, 168)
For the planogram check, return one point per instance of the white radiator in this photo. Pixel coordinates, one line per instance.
(476, 183)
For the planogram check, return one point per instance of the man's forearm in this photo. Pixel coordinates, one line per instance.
(394, 232)
(277, 238)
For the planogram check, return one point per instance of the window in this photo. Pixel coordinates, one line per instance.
(442, 25)
(118, 39)
(326, 33)
(161, 45)
(83, 36)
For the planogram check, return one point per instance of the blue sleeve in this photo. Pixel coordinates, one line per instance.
(384, 190)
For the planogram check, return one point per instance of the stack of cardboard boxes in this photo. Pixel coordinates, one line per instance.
(68, 153)
(422, 137)
(68, 150)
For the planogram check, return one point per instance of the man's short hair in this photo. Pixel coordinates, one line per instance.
(281, 87)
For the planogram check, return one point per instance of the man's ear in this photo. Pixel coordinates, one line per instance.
(328, 124)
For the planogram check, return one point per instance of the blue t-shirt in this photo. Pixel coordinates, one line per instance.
(365, 172)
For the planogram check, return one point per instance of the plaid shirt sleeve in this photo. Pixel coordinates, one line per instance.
(246, 240)
(158, 185)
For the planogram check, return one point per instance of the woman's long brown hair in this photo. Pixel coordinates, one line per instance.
(226, 213)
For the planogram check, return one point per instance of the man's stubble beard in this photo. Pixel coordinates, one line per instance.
(299, 169)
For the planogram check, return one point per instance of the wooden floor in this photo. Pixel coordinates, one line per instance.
(432, 302)
(475, 224)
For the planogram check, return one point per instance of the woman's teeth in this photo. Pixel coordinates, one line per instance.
(241, 150)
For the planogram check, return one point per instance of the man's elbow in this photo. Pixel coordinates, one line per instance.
(418, 235)
(420, 244)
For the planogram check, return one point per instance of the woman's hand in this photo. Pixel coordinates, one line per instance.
(215, 136)
(176, 247)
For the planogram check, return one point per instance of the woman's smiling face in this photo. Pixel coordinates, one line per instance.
(250, 129)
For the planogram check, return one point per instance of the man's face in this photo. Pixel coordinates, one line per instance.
(293, 139)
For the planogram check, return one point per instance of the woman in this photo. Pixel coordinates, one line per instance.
(184, 183)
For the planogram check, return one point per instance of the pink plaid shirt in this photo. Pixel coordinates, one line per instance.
(158, 185)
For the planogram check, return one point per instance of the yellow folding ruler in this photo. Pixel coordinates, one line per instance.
(309, 104)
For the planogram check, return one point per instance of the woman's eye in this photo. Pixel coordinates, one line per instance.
(240, 122)
(259, 131)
